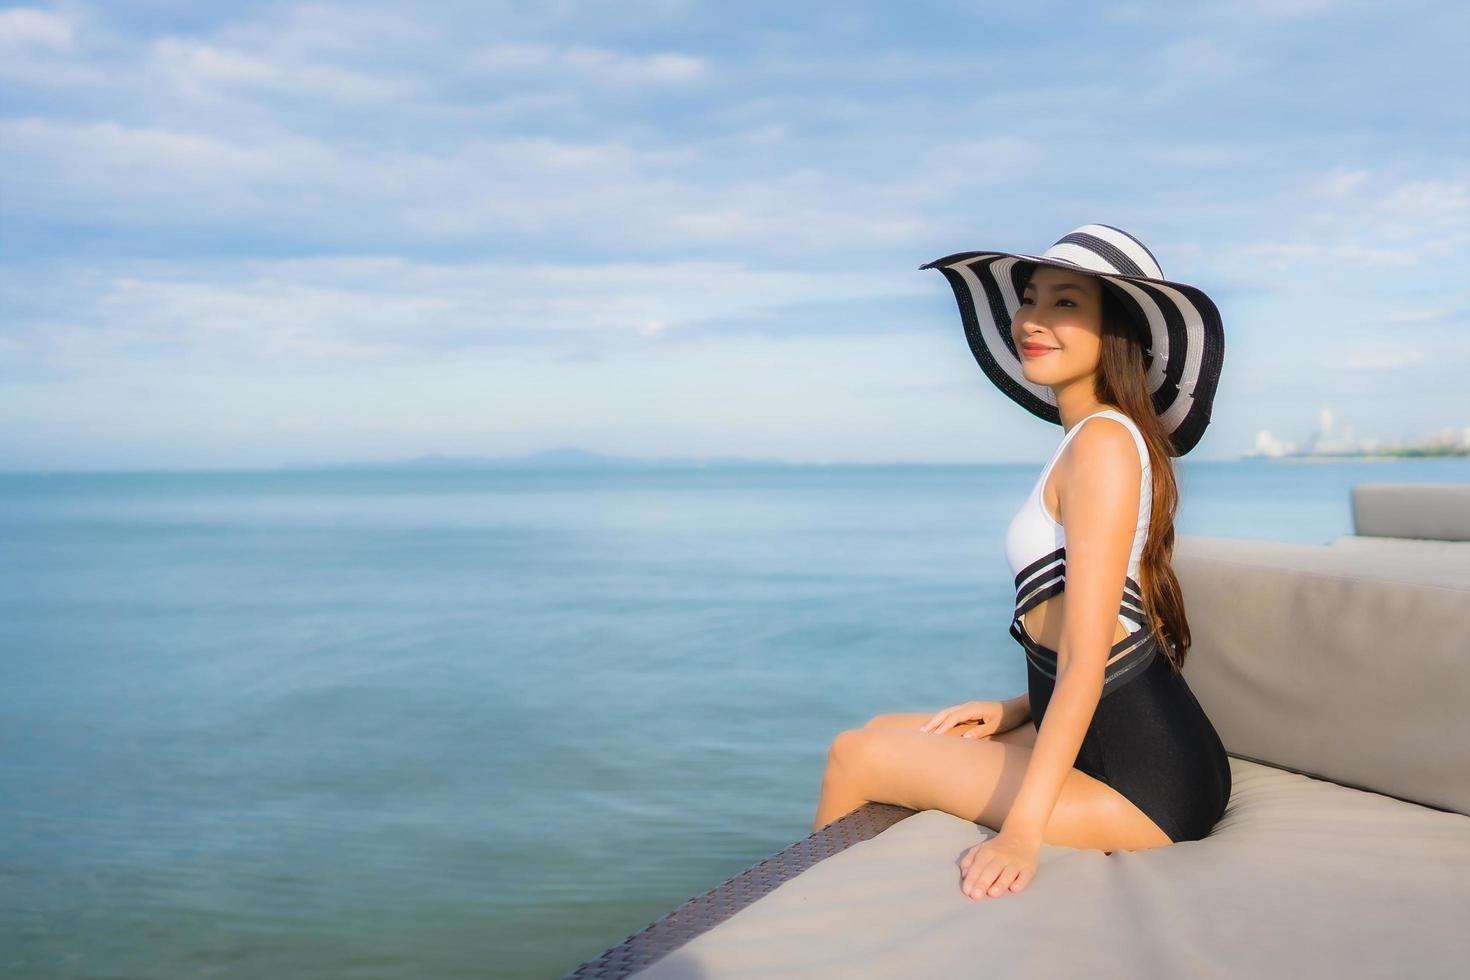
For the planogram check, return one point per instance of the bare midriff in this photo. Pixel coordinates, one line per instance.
(1043, 622)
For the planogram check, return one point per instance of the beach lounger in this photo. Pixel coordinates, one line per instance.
(1338, 676)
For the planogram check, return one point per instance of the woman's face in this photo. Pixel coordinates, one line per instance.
(1058, 327)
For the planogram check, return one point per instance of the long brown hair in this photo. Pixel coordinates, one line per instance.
(1121, 381)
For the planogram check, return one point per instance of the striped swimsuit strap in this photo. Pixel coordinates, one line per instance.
(1045, 578)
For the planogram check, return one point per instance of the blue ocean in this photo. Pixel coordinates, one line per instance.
(479, 723)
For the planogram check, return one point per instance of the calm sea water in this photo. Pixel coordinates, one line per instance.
(474, 724)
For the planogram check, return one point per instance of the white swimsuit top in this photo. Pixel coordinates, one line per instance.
(1033, 537)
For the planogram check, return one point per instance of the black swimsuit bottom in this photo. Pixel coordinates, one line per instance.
(1149, 738)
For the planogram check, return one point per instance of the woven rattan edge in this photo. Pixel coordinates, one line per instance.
(703, 912)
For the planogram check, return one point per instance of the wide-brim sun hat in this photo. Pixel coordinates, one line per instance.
(1185, 344)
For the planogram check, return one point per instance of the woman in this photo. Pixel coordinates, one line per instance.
(1107, 748)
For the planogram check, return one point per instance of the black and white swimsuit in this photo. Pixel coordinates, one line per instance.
(1148, 738)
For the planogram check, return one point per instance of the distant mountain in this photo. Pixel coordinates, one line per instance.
(563, 458)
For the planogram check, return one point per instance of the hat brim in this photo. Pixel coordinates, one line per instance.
(1182, 360)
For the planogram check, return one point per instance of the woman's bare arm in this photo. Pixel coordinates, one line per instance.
(1099, 499)
(1017, 710)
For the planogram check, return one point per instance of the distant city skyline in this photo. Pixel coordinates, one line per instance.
(242, 236)
(1328, 437)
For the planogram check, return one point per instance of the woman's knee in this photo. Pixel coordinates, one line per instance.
(845, 746)
(898, 719)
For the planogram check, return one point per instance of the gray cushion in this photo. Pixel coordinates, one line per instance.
(1440, 511)
(1350, 663)
(1301, 879)
(1454, 551)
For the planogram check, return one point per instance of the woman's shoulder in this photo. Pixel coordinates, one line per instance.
(1106, 440)
(1117, 415)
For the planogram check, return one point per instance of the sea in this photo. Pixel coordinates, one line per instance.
(480, 723)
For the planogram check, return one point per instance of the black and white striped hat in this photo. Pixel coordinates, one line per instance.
(1186, 340)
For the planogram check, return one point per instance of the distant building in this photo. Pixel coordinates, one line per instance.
(1327, 441)
(1269, 445)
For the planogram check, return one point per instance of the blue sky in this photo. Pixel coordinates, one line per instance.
(254, 234)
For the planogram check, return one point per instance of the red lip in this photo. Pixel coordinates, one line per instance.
(1033, 350)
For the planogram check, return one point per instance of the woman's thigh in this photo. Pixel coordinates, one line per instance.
(1022, 734)
(977, 779)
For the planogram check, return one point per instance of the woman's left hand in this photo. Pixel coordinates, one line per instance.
(1003, 863)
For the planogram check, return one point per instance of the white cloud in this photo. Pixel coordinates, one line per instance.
(29, 26)
(1281, 9)
(1436, 315)
(1350, 223)
(195, 68)
(1376, 357)
(342, 310)
(1340, 182)
(148, 167)
(581, 194)
(1200, 60)
(586, 64)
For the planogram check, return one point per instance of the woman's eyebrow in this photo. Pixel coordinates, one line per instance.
(1058, 287)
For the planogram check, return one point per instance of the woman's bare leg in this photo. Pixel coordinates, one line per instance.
(839, 797)
(891, 761)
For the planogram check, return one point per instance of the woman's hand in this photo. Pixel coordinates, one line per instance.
(990, 715)
(1002, 864)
